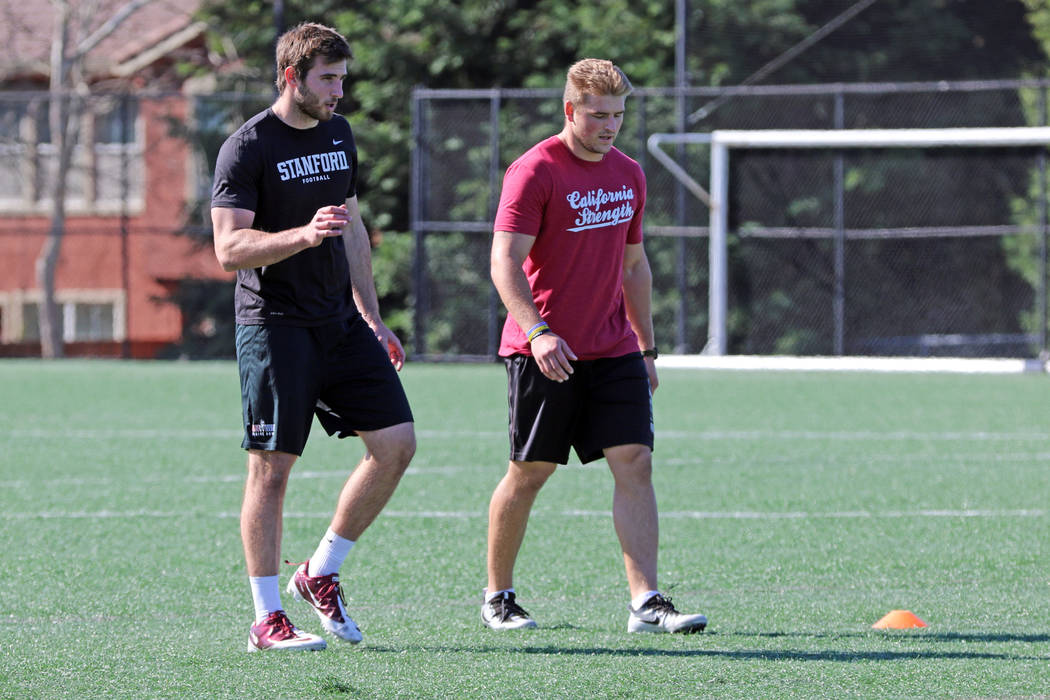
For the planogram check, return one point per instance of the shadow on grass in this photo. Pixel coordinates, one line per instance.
(835, 655)
(742, 654)
(919, 636)
(785, 654)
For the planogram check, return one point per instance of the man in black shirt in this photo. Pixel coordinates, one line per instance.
(310, 340)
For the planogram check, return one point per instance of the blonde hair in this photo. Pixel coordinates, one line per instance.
(301, 45)
(597, 77)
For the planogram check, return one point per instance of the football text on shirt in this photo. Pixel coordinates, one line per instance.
(313, 167)
(589, 205)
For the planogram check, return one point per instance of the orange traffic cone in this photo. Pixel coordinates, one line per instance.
(899, 620)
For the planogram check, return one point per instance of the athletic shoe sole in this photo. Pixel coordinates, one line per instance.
(692, 627)
(316, 645)
(516, 625)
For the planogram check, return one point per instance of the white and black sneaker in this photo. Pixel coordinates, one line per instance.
(658, 615)
(502, 613)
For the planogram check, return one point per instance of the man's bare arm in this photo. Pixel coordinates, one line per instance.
(238, 246)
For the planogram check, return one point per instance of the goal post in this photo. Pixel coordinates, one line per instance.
(717, 196)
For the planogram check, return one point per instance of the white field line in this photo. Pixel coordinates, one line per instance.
(848, 435)
(703, 435)
(237, 478)
(119, 433)
(864, 458)
(853, 364)
(449, 470)
(203, 433)
(845, 514)
(459, 515)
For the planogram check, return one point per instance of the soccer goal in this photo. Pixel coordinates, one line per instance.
(718, 196)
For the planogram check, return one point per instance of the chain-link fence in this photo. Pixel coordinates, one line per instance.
(945, 249)
(871, 251)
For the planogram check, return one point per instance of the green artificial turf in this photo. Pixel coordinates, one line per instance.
(796, 510)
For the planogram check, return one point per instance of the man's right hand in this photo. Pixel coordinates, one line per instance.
(553, 355)
(328, 222)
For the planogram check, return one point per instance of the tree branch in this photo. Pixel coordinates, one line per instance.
(108, 27)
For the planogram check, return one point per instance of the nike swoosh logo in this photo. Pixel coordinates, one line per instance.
(316, 601)
(336, 142)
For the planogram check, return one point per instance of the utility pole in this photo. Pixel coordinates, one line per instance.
(278, 30)
(681, 82)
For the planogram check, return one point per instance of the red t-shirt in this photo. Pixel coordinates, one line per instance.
(582, 214)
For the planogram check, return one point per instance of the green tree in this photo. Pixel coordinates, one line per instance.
(400, 44)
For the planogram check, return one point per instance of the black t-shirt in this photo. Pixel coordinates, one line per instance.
(285, 175)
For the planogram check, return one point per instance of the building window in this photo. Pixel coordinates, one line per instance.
(86, 315)
(91, 321)
(30, 322)
(115, 120)
(107, 174)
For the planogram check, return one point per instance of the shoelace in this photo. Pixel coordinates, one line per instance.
(507, 608)
(325, 589)
(659, 604)
(281, 624)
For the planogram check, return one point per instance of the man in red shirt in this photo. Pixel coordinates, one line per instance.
(568, 262)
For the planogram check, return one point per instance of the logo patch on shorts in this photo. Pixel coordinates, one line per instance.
(261, 430)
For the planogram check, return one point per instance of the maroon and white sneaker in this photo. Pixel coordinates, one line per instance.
(278, 633)
(325, 596)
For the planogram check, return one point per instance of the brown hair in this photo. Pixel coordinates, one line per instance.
(301, 45)
(595, 76)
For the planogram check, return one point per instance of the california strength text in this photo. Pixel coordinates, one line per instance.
(591, 203)
(596, 198)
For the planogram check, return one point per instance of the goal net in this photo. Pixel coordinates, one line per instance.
(885, 242)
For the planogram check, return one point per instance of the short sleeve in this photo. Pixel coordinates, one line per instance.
(634, 231)
(351, 154)
(237, 172)
(526, 191)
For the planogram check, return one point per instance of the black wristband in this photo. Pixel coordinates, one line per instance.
(651, 352)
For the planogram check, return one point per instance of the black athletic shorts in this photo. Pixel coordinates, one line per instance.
(604, 403)
(339, 371)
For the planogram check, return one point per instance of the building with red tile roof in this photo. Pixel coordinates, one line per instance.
(131, 187)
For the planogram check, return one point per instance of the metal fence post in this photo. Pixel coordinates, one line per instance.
(126, 138)
(417, 211)
(718, 301)
(494, 170)
(838, 300)
(681, 213)
(1041, 291)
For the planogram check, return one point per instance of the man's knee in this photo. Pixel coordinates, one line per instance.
(630, 462)
(269, 470)
(393, 447)
(530, 475)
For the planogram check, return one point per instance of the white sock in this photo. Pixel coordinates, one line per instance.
(330, 554)
(496, 594)
(266, 595)
(642, 598)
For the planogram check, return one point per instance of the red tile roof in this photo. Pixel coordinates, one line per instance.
(26, 28)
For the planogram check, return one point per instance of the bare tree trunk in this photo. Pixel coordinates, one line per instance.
(66, 74)
(50, 321)
(51, 345)
(64, 139)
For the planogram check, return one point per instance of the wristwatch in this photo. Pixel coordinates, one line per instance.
(651, 352)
